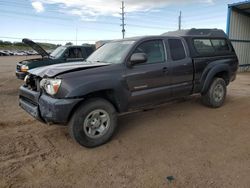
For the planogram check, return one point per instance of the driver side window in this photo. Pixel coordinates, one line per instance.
(154, 50)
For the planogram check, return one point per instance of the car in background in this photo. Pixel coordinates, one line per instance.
(30, 52)
(8, 52)
(3, 53)
(20, 53)
(62, 54)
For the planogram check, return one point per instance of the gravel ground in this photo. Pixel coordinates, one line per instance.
(196, 145)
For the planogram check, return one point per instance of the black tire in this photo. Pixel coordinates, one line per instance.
(216, 94)
(82, 116)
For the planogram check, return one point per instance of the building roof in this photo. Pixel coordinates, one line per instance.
(243, 7)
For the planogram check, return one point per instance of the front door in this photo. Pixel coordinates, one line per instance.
(148, 83)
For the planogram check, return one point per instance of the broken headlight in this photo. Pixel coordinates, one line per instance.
(51, 86)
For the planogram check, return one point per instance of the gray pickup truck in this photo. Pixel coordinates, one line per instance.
(127, 75)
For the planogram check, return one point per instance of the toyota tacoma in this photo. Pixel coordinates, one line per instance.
(129, 75)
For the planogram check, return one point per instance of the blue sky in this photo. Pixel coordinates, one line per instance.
(59, 21)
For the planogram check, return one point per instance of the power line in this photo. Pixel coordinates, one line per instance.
(29, 8)
(149, 27)
(148, 20)
(53, 10)
(208, 20)
(31, 15)
(17, 38)
(192, 17)
(67, 19)
(62, 19)
(81, 28)
(143, 13)
(101, 22)
(19, 5)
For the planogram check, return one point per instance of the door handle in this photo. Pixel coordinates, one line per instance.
(165, 70)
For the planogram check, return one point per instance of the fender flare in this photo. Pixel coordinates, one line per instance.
(211, 74)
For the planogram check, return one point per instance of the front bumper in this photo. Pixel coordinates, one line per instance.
(45, 108)
(20, 75)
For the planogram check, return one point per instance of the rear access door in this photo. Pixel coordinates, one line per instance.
(181, 68)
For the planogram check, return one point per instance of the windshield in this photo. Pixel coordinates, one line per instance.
(58, 52)
(112, 52)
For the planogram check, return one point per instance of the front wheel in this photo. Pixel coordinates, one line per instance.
(216, 95)
(93, 123)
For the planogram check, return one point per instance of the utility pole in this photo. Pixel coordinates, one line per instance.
(180, 19)
(123, 20)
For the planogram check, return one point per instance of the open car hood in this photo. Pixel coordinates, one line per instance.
(55, 70)
(36, 47)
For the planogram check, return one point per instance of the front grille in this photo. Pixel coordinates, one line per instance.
(28, 100)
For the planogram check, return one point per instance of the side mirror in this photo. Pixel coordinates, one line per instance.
(138, 58)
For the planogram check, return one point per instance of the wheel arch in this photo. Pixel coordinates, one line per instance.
(220, 71)
(107, 94)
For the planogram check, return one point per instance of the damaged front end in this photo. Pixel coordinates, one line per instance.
(44, 93)
(42, 106)
(29, 95)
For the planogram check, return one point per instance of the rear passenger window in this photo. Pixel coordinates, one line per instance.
(154, 50)
(203, 46)
(220, 45)
(177, 50)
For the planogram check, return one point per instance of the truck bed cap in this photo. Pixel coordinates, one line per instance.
(197, 33)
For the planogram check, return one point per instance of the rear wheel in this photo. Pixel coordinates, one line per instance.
(93, 123)
(216, 95)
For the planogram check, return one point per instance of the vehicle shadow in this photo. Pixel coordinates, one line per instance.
(156, 115)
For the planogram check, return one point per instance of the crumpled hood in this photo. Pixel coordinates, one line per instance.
(55, 70)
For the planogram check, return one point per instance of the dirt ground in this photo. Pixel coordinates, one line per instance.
(198, 146)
